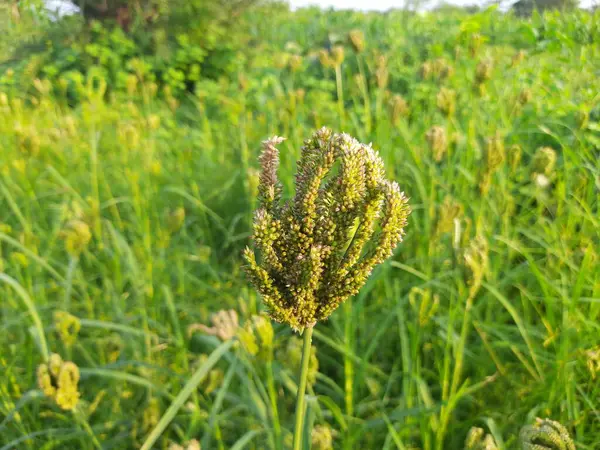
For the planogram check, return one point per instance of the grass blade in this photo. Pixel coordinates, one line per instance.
(187, 390)
(32, 311)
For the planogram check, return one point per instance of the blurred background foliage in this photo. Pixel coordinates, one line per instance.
(172, 43)
(128, 177)
(176, 43)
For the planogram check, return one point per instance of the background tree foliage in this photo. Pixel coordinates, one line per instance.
(167, 42)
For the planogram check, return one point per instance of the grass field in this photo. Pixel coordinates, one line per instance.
(123, 219)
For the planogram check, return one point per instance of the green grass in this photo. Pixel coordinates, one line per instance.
(484, 317)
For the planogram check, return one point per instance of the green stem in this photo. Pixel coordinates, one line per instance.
(365, 93)
(300, 400)
(348, 369)
(340, 94)
(80, 417)
(69, 283)
(30, 304)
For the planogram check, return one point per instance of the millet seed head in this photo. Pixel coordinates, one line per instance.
(318, 248)
(545, 434)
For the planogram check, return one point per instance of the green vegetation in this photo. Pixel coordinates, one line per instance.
(126, 203)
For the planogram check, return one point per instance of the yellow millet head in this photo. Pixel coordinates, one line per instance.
(438, 142)
(357, 40)
(59, 381)
(478, 440)
(449, 211)
(67, 394)
(45, 381)
(322, 437)
(381, 72)
(515, 153)
(446, 101)
(593, 361)
(398, 108)
(325, 59)
(494, 152)
(337, 55)
(67, 327)
(295, 62)
(483, 72)
(54, 364)
(77, 235)
(442, 69)
(475, 43)
(318, 248)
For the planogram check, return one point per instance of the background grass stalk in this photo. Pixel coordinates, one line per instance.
(80, 417)
(185, 393)
(340, 94)
(41, 337)
(274, 410)
(300, 400)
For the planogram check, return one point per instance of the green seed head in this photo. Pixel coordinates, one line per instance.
(357, 40)
(583, 118)
(318, 248)
(426, 70)
(449, 211)
(337, 55)
(545, 434)
(519, 57)
(67, 326)
(475, 43)
(175, 219)
(77, 236)
(398, 108)
(322, 438)
(442, 69)
(295, 62)
(525, 96)
(478, 440)
(544, 160)
(476, 260)
(438, 142)
(494, 152)
(381, 72)
(514, 157)
(593, 361)
(446, 101)
(325, 59)
(483, 71)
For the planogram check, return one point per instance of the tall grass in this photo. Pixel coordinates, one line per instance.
(488, 316)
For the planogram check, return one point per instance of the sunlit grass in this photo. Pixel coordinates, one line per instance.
(130, 212)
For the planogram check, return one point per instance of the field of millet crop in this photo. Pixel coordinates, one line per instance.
(125, 313)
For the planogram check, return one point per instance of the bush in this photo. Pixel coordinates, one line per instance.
(124, 43)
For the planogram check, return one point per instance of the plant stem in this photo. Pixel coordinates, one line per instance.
(348, 370)
(300, 400)
(364, 89)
